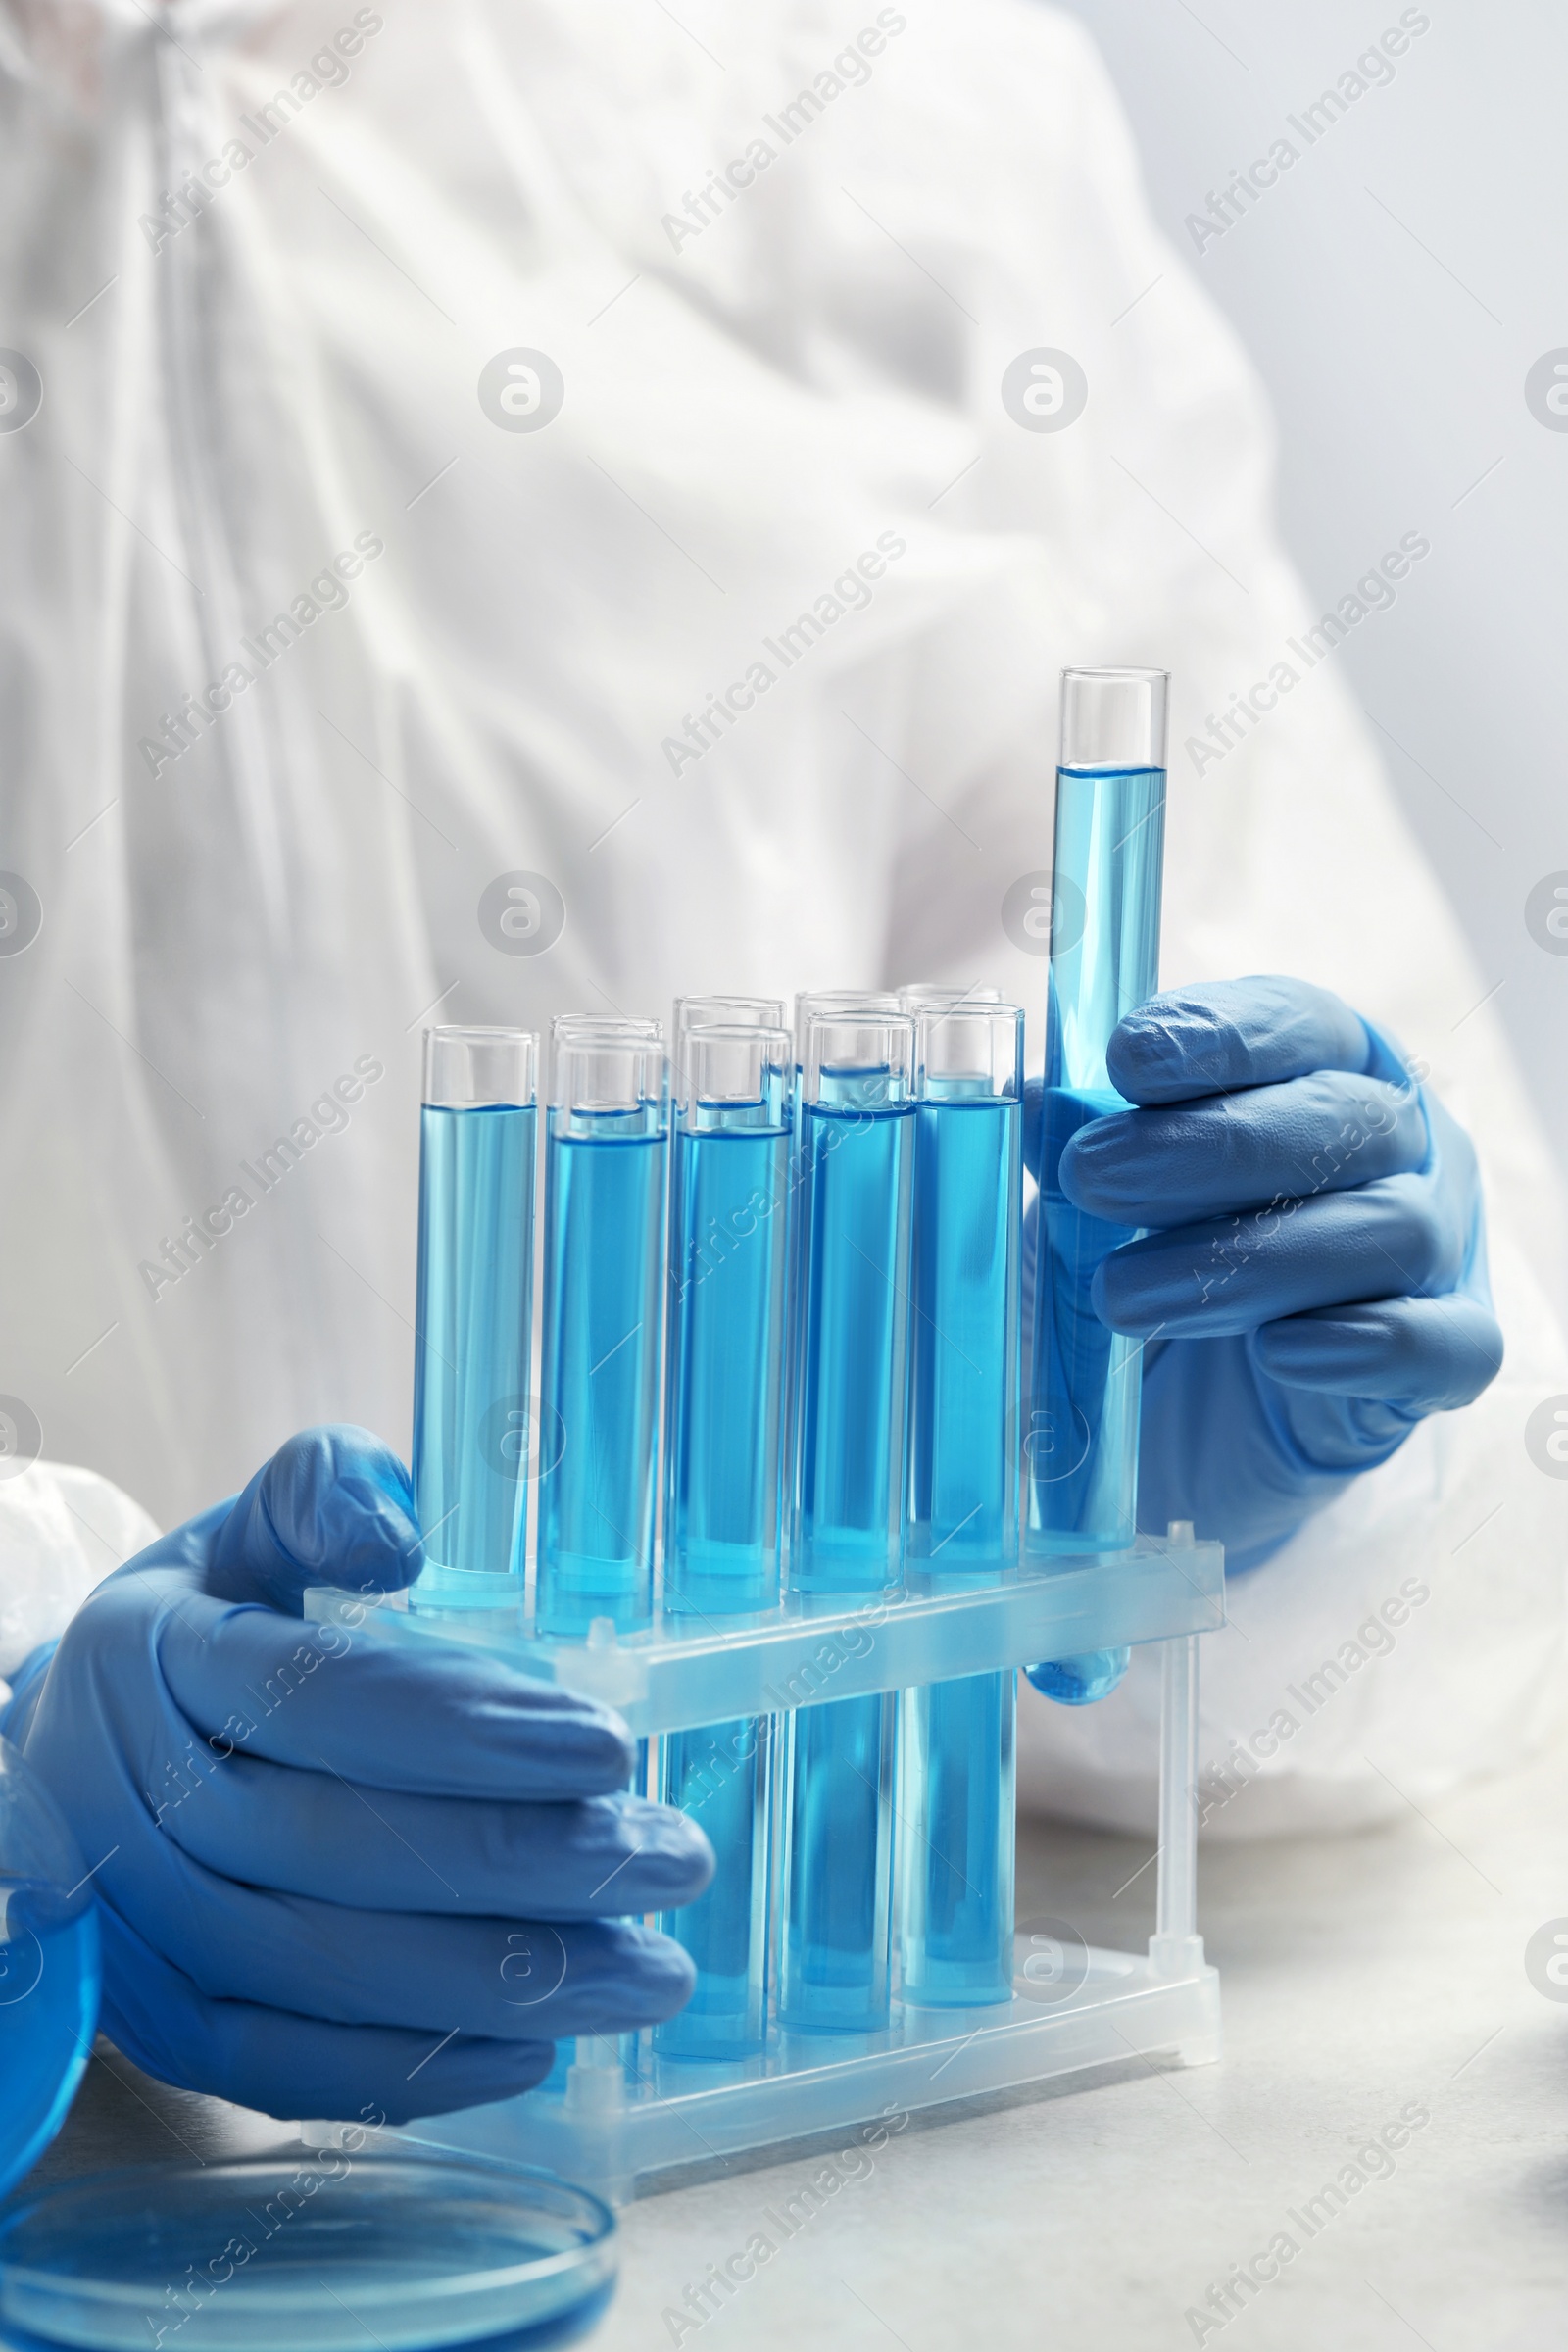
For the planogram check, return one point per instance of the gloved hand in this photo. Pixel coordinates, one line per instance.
(337, 1879)
(1315, 1282)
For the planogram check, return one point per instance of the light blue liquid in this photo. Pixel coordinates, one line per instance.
(852, 1365)
(854, 1280)
(956, 1838)
(1083, 1435)
(338, 2253)
(473, 1425)
(726, 1342)
(791, 1431)
(955, 1739)
(838, 1866)
(603, 1333)
(728, 1259)
(49, 1979)
(721, 1777)
(1082, 1447)
(963, 1407)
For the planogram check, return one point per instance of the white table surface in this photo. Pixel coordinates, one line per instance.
(1360, 1975)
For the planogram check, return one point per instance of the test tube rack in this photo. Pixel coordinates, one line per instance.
(620, 2117)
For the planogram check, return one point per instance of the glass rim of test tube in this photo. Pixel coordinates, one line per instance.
(613, 1066)
(924, 996)
(1113, 720)
(941, 1031)
(810, 1002)
(713, 1009)
(471, 1064)
(855, 1044)
(621, 1025)
(727, 1064)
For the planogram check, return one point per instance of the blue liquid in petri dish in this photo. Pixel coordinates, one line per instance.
(728, 1259)
(50, 1970)
(317, 2252)
(602, 1331)
(852, 1358)
(473, 1433)
(49, 1981)
(957, 1776)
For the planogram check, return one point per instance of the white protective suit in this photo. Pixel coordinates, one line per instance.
(767, 370)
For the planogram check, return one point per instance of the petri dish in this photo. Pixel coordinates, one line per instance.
(49, 1967)
(314, 2252)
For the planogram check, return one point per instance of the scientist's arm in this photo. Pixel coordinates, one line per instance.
(1315, 1284)
(336, 1877)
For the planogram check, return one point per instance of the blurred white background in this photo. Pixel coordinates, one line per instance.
(1395, 288)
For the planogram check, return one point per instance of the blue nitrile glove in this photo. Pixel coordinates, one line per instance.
(325, 1858)
(1316, 1280)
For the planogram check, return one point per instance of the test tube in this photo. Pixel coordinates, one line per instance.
(847, 1504)
(809, 1003)
(728, 1302)
(955, 1737)
(472, 1423)
(968, 1178)
(724, 1012)
(1082, 1444)
(607, 1134)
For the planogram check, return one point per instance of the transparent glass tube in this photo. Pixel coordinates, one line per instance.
(809, 1005)
(726, 1314)
(722, 1776)
(1082, 1444)
(852, 1360)
(968, 1177)
(858, 1120)
(473, 1424)
(607, 1139)
(728, 1298)
(955, 1739)
(725, 1013)
(958, 1841)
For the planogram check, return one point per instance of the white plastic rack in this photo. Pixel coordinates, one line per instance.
(617, 2115)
